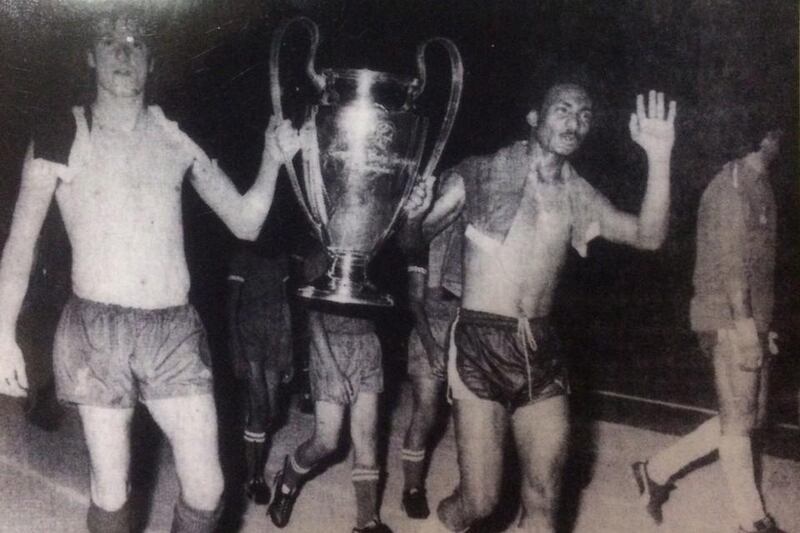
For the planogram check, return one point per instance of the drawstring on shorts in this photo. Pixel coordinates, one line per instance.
(525, 334)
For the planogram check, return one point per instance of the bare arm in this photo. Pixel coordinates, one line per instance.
(245, 214)
(448, 205)
(36, 192)
(652, 129)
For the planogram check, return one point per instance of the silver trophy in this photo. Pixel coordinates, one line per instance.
(362, 143)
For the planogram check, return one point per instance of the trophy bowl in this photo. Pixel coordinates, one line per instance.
(361, 143)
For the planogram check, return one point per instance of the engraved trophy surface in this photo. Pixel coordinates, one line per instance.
(361, 145)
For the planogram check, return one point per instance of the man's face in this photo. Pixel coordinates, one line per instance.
(120, 57)
(565, 121)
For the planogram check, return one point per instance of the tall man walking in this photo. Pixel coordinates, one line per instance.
(731, 312)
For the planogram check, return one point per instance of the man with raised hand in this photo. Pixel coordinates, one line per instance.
(523, 206)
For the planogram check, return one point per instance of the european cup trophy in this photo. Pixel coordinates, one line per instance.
(361, 146)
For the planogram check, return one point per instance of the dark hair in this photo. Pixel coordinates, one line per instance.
(744, 128)
(146, 20)
(545, 78)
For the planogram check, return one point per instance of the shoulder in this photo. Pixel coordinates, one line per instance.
(720, 188)
(578, 188)
(173, 134)
(53, 135)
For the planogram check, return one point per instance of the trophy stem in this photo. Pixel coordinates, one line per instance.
(346, 283)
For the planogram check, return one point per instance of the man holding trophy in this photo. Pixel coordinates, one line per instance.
(129, 334)
(523, 206)
(362, 144)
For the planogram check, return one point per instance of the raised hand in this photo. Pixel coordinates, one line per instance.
(13, 379)
(653, 128)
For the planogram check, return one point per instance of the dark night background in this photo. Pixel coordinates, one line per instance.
(623, 313)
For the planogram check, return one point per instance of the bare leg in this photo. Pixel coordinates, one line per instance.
(107, 433)
(328, 418)
(423, 417)
(258, 400)
(272, 379)
(480, 428)
(363, 431)
(190, 424)
(327, 427)
(540, 432)
(261, 397)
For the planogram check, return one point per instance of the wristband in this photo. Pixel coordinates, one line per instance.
(419, 269)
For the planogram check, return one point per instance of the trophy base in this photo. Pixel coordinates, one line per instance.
(329, 289)
(346, 282)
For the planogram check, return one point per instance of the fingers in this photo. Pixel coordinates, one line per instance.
(640, 111)
(633, 125)
(657, 108)
(651, 104)
(660, 105)
(673, 110)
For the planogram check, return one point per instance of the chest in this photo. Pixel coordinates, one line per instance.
(134, 168)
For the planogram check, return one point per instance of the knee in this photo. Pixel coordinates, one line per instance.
(205, 491)
(319, 448)
(109, 501)
(109, 493)
(480, 506)
(736, 426)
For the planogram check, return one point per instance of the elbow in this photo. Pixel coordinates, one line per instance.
(249, 233)
(247, 225)
(650, 242)
(247, 230)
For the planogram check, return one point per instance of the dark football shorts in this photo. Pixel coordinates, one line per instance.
(111, 356)
(495, 362)
(265, 331)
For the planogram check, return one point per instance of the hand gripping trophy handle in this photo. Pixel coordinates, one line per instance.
(456, 86)
(277, 103)
(362, 143)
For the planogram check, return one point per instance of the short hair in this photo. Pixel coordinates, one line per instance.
(141, 18)
(744, 128)
(545, 79)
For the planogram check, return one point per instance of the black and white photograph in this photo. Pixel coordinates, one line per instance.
(399, 266)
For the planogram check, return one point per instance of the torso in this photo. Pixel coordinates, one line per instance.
(517, 276)
(122, 211)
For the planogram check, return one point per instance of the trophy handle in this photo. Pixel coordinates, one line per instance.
(456, 86)
(277, 107)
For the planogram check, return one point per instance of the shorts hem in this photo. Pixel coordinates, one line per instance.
(194, 389)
